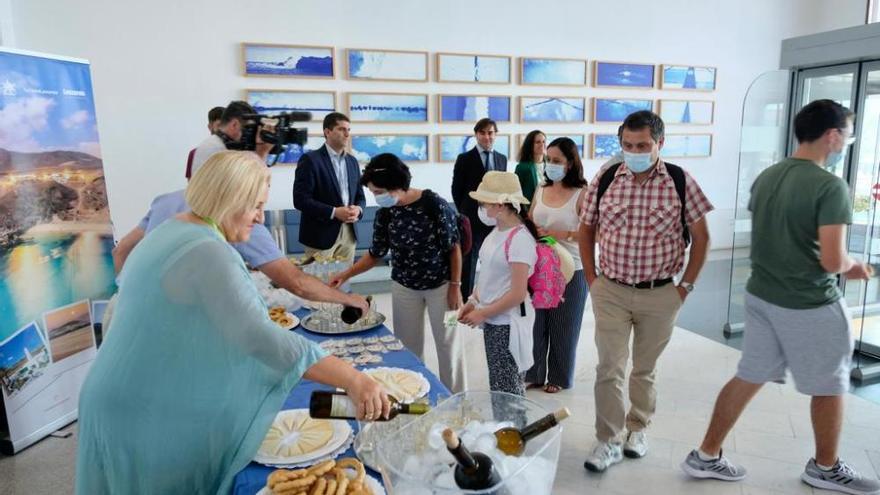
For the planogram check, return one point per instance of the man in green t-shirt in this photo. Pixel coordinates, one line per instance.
(796, 318)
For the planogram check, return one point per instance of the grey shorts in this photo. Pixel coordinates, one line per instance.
(816, 345)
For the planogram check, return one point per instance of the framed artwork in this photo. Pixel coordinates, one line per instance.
(473, 68)
(287, 60)
(471, 108)
(552, 109)
(615, 110)
(449, 146)
(407, 147)
(693, 112)
(687, 146)
(293, 152)
(387, 107)
(274, 101)
(623, 75)
(688, 77)
(387, 65)
(604, 146)
(553, 71)
(577, 138)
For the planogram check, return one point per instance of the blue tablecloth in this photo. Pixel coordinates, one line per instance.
(253, 478)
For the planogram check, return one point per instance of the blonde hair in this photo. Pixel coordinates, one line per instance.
(228, 184)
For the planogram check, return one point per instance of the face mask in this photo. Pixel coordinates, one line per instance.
(386, 200)
(835, 158)
(554, 171)
(485, 218)
(638, 162)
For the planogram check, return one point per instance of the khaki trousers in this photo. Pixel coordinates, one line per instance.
(649, 316)
(344, 246)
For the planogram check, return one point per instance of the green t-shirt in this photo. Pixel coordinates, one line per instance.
(789, 202)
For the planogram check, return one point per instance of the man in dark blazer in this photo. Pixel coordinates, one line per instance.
(326, 189)
(466, 176)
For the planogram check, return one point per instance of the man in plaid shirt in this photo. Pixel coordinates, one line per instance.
(639, 225)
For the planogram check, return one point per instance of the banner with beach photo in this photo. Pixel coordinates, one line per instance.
(56, 239)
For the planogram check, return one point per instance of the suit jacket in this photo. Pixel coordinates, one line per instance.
(316, 193)
(466, 176)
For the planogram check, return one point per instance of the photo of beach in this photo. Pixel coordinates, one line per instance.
(69, 330)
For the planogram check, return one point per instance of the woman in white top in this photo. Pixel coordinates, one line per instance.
(500, 302)
(556, 212)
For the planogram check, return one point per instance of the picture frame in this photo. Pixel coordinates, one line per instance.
(449, 146)
(623, 75)
(603, 146)
(387, 107)
(577, 138)
(615, 110)
(557, 109)
(471, 108)
(474, 68)
(409, 148)
(293, 152)
(687, 146)
(546, 71)
(386, 65)
(687, 112)
(274, 101)
(279, 60)
(688, 77)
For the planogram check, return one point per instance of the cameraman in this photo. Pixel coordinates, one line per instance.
(229, 133)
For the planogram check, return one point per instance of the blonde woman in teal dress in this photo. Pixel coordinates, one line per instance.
(186, 386)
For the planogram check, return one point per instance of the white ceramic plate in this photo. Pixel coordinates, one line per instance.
(341, 433)
(424, 385)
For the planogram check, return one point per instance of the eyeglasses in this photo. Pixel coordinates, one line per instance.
(847, 139)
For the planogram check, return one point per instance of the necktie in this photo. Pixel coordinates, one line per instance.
(488, 165)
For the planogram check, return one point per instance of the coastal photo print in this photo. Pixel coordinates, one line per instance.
(287, 60)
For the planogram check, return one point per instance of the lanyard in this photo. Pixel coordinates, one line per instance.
(210, 221)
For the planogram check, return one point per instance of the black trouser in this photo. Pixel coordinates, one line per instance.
(469, 261)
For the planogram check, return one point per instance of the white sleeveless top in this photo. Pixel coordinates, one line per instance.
(563, 218)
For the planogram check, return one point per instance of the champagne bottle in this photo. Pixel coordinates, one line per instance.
(351, 314)
(326, 404)
(473, 470)
(512, 441)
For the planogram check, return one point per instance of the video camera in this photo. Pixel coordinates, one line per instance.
(283, 133)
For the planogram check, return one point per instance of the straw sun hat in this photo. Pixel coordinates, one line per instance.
(498, 188)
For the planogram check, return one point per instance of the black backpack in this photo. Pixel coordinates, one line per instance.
(465, 237)
(677, 174)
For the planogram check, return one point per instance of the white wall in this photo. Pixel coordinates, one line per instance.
(158, 66)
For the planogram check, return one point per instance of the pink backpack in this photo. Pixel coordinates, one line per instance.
(547, 283)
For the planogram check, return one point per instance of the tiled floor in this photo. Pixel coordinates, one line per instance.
(773, 439)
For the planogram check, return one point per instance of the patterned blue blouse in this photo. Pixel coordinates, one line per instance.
(419, 236)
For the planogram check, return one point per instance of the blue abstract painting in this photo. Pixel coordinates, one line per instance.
(453, 67)
(288, 60)
(623, 75)
(387, 107)
(293, 152)
(469, 108)
(688, 77)
(387, 65)
(687, 111)
(577, 138)
(451, 146)
(611, 110)
(274, 102)
(686, 146)
(409, 148)
(554, 71)
(605, 145)
(551, 109)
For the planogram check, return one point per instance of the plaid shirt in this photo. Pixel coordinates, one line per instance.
(639, 225)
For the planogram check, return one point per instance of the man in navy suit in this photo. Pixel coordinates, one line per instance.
(466, 176)
(326, 189)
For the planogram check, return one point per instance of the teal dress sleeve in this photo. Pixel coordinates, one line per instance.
(528, 178)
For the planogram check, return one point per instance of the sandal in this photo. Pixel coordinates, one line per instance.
(552, 389)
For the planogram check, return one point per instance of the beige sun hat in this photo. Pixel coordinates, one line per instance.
(500, 187)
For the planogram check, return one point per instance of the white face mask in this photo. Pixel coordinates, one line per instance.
(485, 218)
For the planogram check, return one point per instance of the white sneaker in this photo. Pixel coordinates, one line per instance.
(604, 455)
(636, 445)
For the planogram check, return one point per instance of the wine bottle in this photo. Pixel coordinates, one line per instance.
(326, 404)
(512, 441)
(351, 314)
(473, 470)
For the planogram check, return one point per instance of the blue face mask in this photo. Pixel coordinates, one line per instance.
(385, 200)
(834, 158)
(638, 162)
(554, 171)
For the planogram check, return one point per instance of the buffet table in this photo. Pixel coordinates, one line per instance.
(253, 478)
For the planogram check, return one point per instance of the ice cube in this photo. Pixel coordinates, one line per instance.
(485, 443)
(445, 479)
(435, 436)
